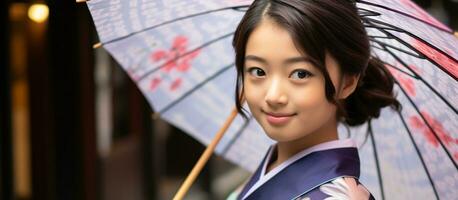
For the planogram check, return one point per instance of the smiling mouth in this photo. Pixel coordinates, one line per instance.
(278, 118)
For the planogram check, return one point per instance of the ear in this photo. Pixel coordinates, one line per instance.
(349, 85)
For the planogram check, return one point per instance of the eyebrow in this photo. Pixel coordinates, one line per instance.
(287, 61)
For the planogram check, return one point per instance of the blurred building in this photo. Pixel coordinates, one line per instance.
(73, 125)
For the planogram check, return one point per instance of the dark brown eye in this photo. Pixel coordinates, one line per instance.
(300, 74)
(257, 72)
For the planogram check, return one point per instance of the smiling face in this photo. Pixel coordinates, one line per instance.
(284, 91)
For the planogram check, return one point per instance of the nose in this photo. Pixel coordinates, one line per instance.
(276, 94)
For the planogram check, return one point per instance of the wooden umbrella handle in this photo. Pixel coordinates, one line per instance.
(204, 158)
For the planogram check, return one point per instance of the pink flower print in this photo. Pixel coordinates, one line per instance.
(444, 61)
(155, 83)
(404, 80)
(437, 126)
(408, 85)
(163, 55)
(417, 123)
(179, 48)
(158, 55)
(176, 58)
(186, 61)
(415, 69)
(175, 84)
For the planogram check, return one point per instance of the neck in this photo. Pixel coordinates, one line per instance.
(286, 150)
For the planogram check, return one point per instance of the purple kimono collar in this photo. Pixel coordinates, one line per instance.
(304, 174)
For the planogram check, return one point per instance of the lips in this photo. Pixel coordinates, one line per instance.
(278, 118)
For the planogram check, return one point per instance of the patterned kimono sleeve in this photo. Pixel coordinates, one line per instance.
(343, 188)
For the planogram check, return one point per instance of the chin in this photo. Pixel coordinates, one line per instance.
(274, 135)
(280, 136)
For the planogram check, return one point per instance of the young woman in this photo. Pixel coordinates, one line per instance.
(303, 67)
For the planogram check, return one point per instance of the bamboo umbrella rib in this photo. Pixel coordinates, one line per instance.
(204, 158)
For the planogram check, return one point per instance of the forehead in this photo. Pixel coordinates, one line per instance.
(270, 41)
(275, 45)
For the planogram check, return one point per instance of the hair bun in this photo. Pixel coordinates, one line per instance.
(374, 92)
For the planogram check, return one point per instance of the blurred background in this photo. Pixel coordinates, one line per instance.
(74, 126)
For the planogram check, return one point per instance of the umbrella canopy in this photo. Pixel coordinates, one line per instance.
(179, 54)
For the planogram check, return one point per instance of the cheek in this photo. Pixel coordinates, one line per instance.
(311, 95)
(313, 101)
(252, 94)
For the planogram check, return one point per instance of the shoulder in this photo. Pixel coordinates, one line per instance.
(343, 188)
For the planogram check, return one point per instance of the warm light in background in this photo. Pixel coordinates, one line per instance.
(38, 12)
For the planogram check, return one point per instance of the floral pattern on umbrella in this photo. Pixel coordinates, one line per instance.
(175, 58)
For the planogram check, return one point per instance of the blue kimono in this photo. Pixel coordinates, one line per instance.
(327, 170)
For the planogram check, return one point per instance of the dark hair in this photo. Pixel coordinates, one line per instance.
(318, 27)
